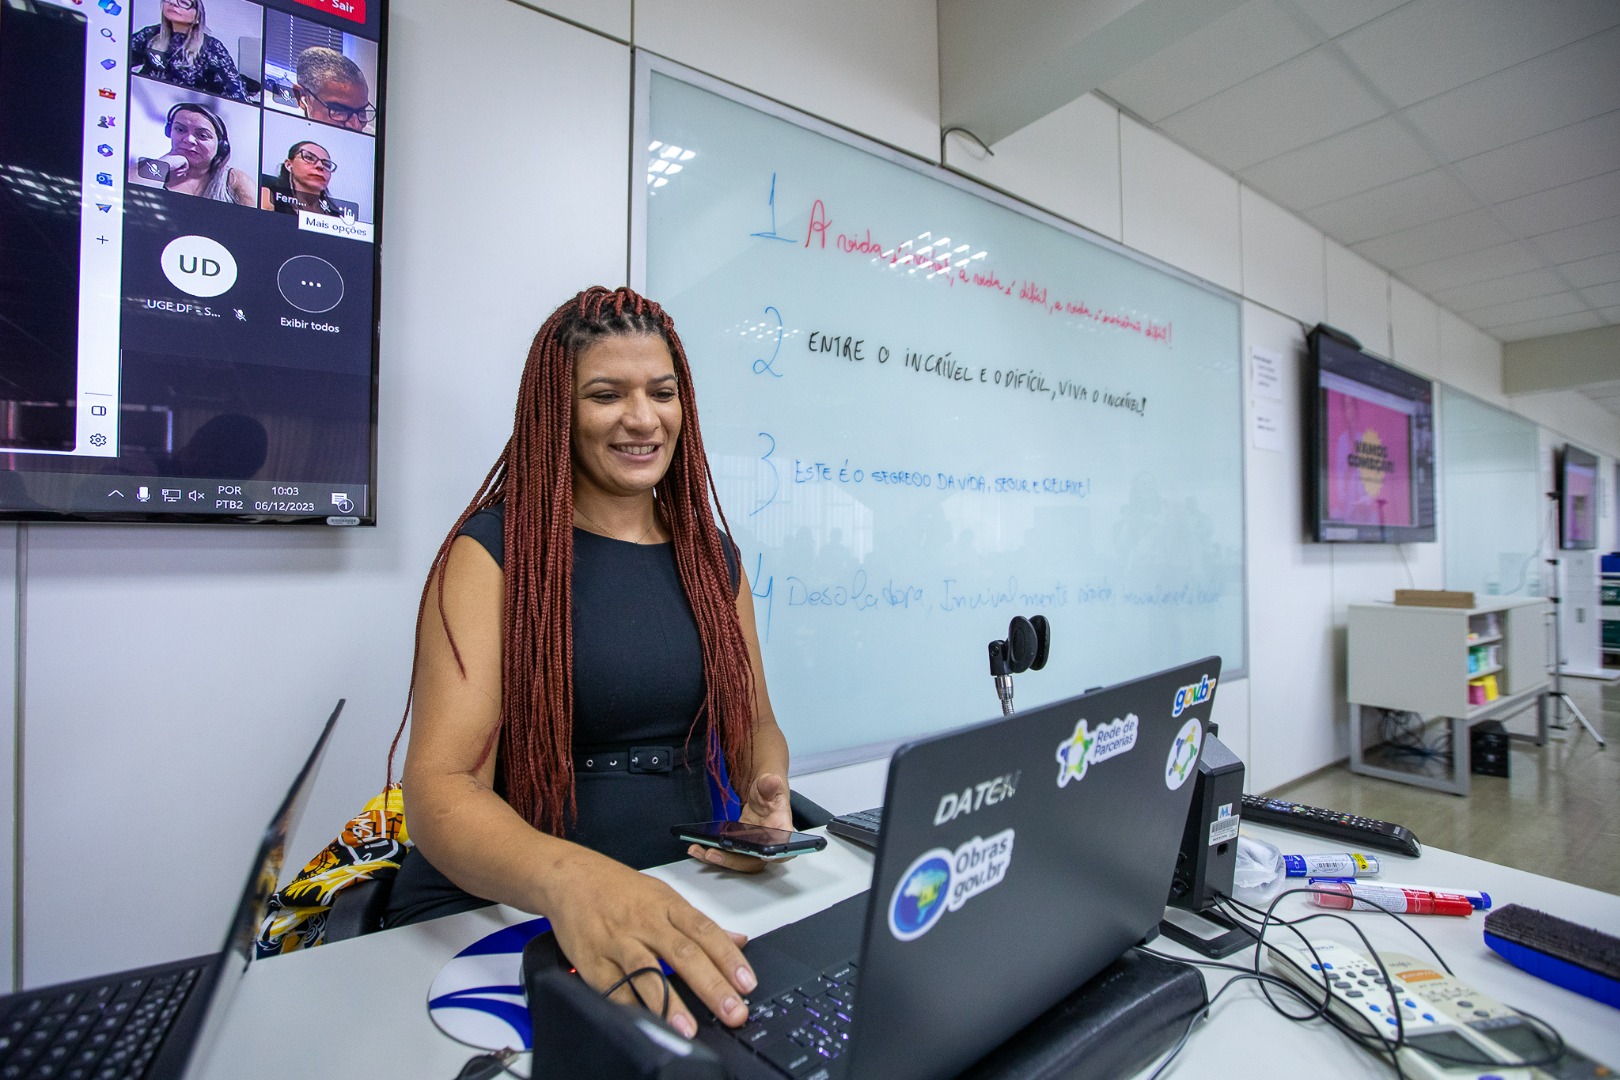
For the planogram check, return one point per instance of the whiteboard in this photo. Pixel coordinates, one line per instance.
(1493, 513)
(928, 412)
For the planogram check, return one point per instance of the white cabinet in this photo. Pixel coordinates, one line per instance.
(1423, 660)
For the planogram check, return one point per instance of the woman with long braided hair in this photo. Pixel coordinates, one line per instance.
(587, 668)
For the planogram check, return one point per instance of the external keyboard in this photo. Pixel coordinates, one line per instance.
(106, 1032)
(806, 1028)
(861, 826)
(1356, 831)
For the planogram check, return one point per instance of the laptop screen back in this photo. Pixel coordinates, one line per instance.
(1018, 858)
(251, 909)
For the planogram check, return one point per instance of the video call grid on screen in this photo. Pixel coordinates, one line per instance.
(237, 243)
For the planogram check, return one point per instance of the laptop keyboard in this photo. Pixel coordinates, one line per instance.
(804, 1029)
(108, 1032)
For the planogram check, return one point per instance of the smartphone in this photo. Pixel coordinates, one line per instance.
(756, 840)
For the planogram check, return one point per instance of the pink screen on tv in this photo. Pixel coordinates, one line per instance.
(1369, 454)
(1580, 505)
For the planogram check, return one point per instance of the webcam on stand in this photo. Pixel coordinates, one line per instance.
(1028, 644)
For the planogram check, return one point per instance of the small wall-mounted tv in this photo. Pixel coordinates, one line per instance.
(189, 260)
(1369, 434)
(1577, 499)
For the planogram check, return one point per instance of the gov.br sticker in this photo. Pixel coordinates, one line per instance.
(1182, 761)
(941, 880)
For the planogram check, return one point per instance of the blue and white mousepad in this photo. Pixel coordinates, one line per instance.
(477, 998)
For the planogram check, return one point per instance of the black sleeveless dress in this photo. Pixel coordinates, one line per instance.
(638, 681)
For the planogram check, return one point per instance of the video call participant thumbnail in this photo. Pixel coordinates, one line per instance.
(198, 160)
(331, 89)
(302, 183)
(179, 50)
(306, 166)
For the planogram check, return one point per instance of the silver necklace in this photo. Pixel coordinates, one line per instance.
(609, 535)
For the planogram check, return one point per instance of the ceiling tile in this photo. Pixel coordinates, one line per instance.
(1588, 148)
(1603, 296)
(1343, 164)
(1598, 271)
(1430, 46)
(1293, 104)
(1581, 242)
(1473, 231)
(1524, 286)
(1558, 324)
(1591, 199)
(1416, 200)
(1553, 90)
(1335, 17)
(1496, 262)
(1541, 307)
(1235, 47)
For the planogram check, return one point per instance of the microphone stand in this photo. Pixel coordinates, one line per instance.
(1001, 672)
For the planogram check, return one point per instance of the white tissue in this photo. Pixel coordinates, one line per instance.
(1259, 874)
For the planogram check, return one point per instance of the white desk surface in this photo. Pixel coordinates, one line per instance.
(359, 1008)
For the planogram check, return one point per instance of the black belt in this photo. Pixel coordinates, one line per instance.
(635, 759)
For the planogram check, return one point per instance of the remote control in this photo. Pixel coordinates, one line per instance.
(1357, 831)
(1360, 996)
(1499, 1025)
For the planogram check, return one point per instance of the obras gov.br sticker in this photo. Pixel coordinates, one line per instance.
(941, 880)
(1086, 747)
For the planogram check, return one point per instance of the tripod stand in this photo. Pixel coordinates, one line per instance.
(1559, 699)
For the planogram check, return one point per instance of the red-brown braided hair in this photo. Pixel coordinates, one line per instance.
(534, 478)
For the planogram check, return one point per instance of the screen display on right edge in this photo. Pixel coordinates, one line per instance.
(1578, 499)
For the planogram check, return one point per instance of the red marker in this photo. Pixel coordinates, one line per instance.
(1402, 901)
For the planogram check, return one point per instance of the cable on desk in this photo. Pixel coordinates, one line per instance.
(1201, 1014)
(663, 1010)
(487, 1066)
(1235, 907)
(484, 1066)
(1374, 1040)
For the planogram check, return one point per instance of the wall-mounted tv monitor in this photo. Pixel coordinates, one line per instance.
(1370, 446)
(1577, 499)
(190, 206)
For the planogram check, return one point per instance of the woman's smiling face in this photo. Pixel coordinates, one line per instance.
(627, 415)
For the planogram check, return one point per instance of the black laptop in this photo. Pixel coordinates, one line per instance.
(154, 1022)
(1017, 859)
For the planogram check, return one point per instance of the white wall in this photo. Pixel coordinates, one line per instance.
(175, 675)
